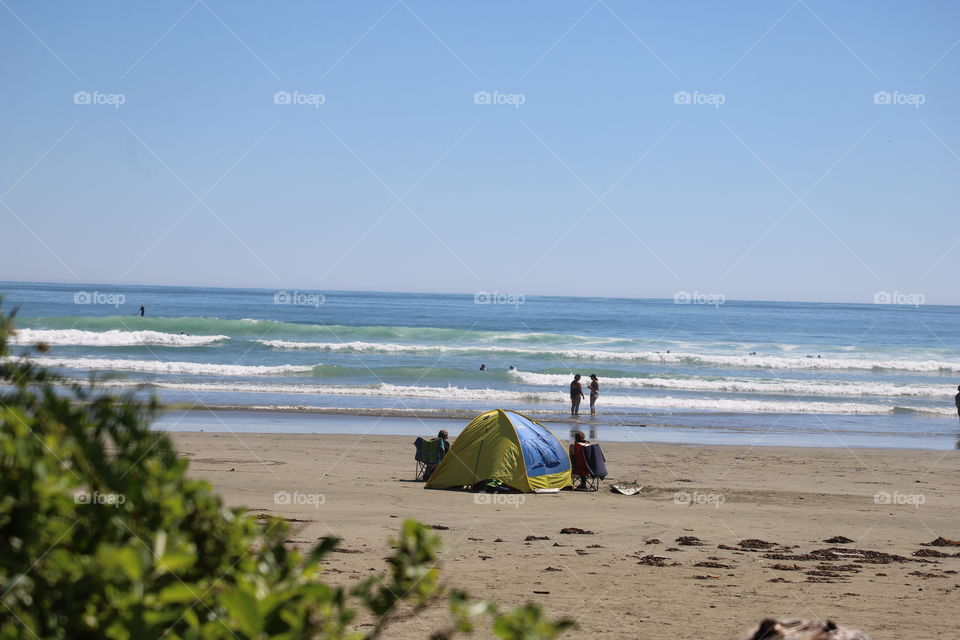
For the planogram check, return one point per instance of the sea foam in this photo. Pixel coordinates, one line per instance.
(112, 338)
(746, 385)
(156, 366)
(721, 360)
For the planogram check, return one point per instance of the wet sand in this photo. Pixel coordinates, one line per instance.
(720, 537)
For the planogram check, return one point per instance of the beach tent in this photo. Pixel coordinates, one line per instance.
(505, 446)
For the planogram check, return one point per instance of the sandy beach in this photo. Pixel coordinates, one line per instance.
(719, 538)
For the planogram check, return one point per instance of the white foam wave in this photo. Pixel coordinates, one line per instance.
(723, 360)
(499, 397)
(747, 385)
(155, 366)
(372, 347)
(112, 338)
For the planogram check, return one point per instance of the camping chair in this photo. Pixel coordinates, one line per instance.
(429, 454)
(589, 466)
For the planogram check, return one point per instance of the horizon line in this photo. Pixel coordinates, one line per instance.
(481, 291)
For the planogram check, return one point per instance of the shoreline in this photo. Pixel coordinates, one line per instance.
(413, 422)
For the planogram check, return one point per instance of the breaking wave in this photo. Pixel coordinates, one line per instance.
(729, 361)
(111, 338)
(156, 366)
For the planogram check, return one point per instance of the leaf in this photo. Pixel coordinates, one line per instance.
(175, 560)
(179, 592)
(242, 607)
(127, 560)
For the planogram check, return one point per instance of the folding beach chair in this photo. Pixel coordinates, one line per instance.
(428, 456)
(589, 466)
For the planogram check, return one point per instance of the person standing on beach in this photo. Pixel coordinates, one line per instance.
(576, 395)
(594, 392)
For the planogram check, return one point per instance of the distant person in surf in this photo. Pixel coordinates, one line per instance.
(956, 401)
(576, 395)
(142, 311)
(483, 367)
(594, 387)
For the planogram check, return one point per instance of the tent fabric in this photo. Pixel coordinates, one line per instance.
(506, 446)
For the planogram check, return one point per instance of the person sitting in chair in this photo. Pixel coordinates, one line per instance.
(577, 462)
(587, 463)
(578, 439)
(443, 445)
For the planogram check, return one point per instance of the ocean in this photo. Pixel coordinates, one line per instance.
(698, 369)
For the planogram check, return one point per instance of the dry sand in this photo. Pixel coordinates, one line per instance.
(632, 578)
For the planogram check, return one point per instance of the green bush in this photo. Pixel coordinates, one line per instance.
(103, 535)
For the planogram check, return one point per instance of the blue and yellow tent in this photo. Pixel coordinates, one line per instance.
(506, 446)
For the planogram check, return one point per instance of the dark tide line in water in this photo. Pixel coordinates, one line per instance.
(348, 421)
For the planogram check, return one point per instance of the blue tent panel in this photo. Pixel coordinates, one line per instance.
(542, 452)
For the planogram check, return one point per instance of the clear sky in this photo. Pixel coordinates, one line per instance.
(621, 148)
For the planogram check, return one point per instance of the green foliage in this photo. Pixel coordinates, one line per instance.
(102, 535)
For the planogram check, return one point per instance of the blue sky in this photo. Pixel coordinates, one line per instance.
(605, 180)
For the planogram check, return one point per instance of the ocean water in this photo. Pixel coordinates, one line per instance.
(807, 373)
